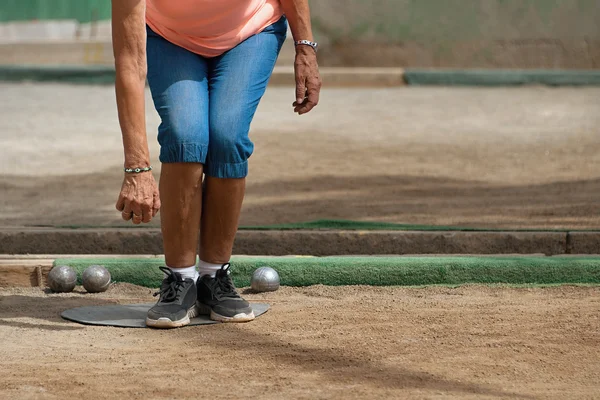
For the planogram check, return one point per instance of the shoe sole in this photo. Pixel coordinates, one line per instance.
(242, 317)
(166, 323)
(203, 309)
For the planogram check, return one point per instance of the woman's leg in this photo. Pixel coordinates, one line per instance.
(178, 80)
(237, 82)
(220, 216)
(181, 207)
(179, 85)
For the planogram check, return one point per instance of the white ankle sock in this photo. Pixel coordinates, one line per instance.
(188, 272)
(206, 268)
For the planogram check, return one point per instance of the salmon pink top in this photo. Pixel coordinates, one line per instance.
(210, 27)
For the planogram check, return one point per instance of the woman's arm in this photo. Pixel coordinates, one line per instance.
(138, 199)
(308, 81)
(129, 47)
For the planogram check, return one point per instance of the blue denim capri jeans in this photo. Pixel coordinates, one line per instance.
(206, 105)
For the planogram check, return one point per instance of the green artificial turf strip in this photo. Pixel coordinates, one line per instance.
(376, 271)
(329, 224)
(495, 77)
(335, 224)
(88, 74)
(341, 224)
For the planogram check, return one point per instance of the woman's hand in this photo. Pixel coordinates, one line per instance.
(308, 80)
(139, 199)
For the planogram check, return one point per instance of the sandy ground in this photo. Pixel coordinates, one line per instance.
(486, 157)
(315, 343)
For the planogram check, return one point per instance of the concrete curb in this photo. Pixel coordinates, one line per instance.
(344, 77)
(583, 242)
(305, 242)
(332, 76)
(475, 77)
(282, 75)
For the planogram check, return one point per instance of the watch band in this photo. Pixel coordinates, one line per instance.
(314, 45)
(137, 170)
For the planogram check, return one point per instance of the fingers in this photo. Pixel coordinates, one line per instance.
(131, 208)
(300, 90)
(143, 213)
(137, 213)
(311, 101)
(300, 99)
(147, 213)
(311, 97)
(120, 203)
(126, 214)
(137, 219)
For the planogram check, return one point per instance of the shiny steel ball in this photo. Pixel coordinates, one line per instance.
(62, 279)
(96, 279)
(265, 279)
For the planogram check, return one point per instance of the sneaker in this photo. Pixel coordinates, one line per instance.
(218, 297)
(177, 302)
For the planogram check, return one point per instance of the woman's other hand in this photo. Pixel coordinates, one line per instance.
(139, 199)
(308, 80)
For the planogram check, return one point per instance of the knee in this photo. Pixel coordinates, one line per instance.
(183, 138)
(182, 127)
(228, 151)
(229, 142)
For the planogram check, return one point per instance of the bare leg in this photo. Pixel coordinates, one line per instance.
(222, 204)
(181, 198)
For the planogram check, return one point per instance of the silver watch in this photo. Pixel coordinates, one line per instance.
(314, 45)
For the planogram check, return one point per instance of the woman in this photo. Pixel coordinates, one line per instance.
(207, 63)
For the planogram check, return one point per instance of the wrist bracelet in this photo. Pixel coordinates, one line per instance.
(314, 45)
(137, 170)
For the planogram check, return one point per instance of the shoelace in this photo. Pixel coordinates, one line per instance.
(224, 285)
(173, 286)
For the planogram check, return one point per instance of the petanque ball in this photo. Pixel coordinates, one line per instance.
(62, 279)
(95, 279)
(265, 279)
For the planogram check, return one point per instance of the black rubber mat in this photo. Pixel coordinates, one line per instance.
(132, 315)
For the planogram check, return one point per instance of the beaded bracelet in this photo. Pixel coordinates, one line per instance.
(137, 170)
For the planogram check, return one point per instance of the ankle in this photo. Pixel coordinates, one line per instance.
(208, 268)
(186, 272)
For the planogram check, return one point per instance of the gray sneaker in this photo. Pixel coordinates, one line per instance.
(218, 297)
(177, 302)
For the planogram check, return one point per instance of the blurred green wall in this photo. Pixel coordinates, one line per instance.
(388, 20)
(81, 10)
(397, 20)
(459, 33)
(417, 33)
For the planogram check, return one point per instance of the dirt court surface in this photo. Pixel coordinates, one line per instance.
(482, 157)
(317, 342)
